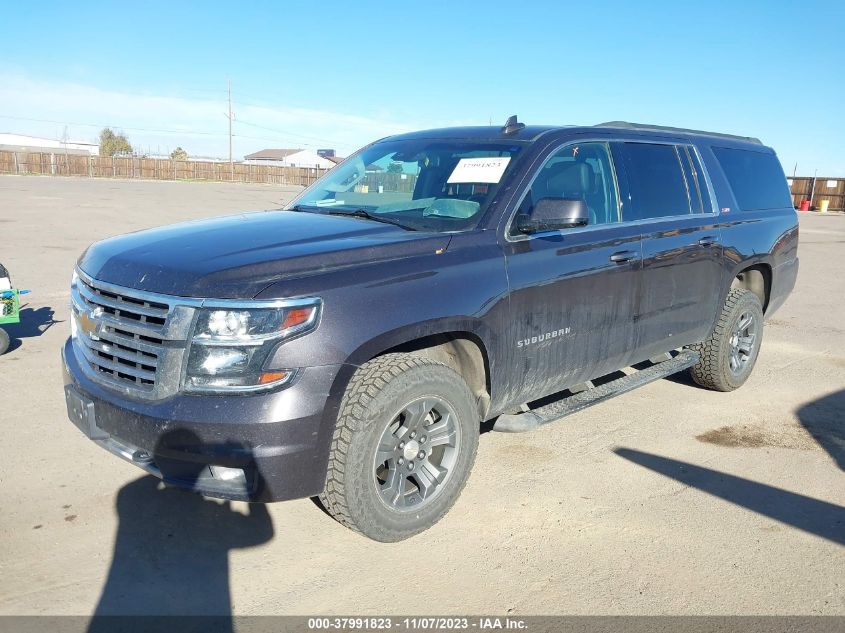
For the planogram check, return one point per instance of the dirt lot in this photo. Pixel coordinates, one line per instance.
(668, 500)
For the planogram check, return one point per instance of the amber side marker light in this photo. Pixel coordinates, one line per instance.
(272, 376)
(297, 316)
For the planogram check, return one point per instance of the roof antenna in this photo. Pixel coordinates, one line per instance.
(512, 125)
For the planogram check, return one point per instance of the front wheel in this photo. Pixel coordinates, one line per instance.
(405, 442)
(729, 354)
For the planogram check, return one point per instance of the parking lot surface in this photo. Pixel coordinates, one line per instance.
(667, 500)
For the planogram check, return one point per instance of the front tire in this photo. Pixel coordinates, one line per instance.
(729, 354)
(405, 442)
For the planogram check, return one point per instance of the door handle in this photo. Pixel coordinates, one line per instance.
(709, 240)
(624, 256)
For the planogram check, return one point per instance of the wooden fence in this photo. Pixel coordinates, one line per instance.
(833, 189)
(59, 164)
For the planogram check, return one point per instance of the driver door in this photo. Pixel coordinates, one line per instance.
(572, 290)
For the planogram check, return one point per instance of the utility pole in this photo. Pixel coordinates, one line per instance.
(231, 163)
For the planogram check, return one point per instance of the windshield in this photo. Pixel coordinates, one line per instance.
(426, 185)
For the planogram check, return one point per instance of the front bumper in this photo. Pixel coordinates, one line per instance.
(262, 447)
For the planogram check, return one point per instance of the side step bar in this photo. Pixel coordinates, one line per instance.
(530, 420)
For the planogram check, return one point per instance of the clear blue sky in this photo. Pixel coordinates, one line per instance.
(339, 74)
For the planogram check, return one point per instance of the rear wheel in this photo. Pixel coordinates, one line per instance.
(405, 441)
(4, 341)
(729, 354)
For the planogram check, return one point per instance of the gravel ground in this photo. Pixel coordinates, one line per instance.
(667, 500)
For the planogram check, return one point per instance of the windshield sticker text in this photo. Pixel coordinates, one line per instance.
(488, 170)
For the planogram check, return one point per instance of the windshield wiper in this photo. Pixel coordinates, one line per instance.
(363, 213)
(305, 209)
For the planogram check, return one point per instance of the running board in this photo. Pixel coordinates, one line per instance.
(529, 420)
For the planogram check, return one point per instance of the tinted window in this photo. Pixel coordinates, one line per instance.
(581, 171)
(655, 181)
(756, 178)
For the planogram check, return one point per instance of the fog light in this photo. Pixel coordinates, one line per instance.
(229, 475)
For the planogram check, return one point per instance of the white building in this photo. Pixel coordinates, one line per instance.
(289, 158)
(22, 143)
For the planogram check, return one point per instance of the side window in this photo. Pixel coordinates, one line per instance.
(656, 181)
(582, 171)
(756, 178)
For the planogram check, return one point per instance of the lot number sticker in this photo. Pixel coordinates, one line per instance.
(479, 170)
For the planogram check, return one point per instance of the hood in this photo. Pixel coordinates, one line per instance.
(236, 257)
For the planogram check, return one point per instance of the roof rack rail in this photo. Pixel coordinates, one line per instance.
(662, 128)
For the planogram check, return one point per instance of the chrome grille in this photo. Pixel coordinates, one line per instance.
(120, 334)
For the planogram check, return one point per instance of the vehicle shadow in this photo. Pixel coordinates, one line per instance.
(171, 552)
(34, 322)
(821, 518)
(824, 419)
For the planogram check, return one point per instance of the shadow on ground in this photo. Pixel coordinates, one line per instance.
(824, 419)
(171, 553)
(823, 519)
(33, 324)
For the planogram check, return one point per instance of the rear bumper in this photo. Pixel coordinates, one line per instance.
(261, 447)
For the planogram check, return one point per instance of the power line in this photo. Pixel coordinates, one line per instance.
(102, 125)
(287, 133)
(185, 132)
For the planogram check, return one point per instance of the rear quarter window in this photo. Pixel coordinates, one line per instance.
(756, 178)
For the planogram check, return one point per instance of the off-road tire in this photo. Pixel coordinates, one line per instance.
(713, 371)
(378, 390)
(4, 341)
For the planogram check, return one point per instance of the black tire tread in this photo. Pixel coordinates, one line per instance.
(708, 371)
(366, 383)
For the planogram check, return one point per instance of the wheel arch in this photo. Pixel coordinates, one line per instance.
(459, 344)
(756, 277)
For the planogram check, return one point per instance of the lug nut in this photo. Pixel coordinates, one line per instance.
(421, 455)
(401, 460)
(423, 439)
(401, 444)
(413, 434)
(410, 465)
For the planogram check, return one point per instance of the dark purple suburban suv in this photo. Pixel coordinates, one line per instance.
(352, 345)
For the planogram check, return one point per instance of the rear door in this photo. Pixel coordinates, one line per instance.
(572, 291)
(669, 198)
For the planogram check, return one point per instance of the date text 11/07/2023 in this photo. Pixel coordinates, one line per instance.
(416, 623)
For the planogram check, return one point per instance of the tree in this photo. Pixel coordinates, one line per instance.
(112, 144)
(179, 154)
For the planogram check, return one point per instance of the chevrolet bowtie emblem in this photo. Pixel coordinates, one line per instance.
(88, 322)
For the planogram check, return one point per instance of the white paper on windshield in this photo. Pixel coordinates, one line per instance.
(488, 170)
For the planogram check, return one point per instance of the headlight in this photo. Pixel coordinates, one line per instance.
(230, 348)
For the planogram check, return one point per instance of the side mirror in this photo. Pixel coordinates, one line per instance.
(551, 214)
